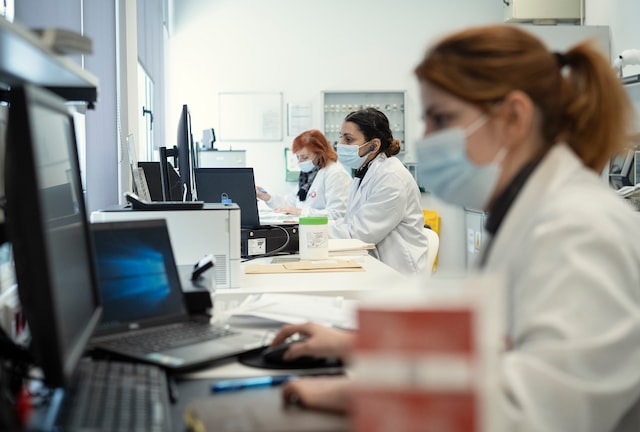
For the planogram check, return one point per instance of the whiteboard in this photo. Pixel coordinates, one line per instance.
(250, 117)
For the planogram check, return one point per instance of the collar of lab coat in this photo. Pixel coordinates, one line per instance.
(558, 165)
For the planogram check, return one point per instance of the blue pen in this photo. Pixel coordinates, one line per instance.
(262, 190)
(243, 383)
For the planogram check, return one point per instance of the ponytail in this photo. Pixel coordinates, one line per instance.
(394, 148)
(597, 116)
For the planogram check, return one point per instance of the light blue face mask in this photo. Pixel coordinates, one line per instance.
(445, 170)
(306, 166)
(348, 155)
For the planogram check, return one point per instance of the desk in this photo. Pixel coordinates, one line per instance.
(239, 406)
(347, 284)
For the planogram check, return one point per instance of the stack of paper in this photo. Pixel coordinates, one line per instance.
(349, 247)
(64, 41)
(321, 266)
(294, 309)
(629, 191)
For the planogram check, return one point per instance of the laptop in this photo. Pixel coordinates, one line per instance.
(144, 314)
(216, 185)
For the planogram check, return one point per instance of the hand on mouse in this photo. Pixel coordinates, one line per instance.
(326, 393)
(320, 341)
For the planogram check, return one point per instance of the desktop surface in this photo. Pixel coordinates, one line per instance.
(248, 410)
(377, 275)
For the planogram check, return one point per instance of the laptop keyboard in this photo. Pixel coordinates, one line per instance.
(172, 336)
(115, 396)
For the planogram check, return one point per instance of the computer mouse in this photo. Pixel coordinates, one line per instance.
(274, 356)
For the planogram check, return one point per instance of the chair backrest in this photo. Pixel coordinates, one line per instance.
(434, 243)
(433, 221)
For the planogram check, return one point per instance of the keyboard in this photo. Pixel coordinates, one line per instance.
(116, 396)
(167, 337)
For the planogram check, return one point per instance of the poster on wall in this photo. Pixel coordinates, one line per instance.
(298, 119)
(250, 117)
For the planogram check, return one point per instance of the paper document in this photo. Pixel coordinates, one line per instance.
(629, 191)
(338, 247)
(304, 267)
(274, 218)
(295, 309)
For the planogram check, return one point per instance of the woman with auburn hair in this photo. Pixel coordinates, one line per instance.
(523, 133)
(323, 185)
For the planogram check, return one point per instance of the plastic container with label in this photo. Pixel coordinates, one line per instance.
(314, 238)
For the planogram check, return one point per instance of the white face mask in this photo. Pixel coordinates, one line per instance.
(348, 155)
(445, 170)
(306, 166)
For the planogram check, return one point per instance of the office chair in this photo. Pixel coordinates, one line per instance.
(434, 243)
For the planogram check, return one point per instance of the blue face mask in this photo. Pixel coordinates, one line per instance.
(445, 170)
(348, 155)
(306, 166)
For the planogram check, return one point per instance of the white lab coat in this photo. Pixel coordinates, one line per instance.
(327, 195)
(384, 209)
(570, 249)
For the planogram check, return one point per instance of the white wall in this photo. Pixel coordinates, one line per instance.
(303, 48)
(622, 17)
(300, 49)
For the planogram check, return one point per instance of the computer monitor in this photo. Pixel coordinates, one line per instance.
(216, 185)
(186, 155)
(48, 229)
(153, 173)
(622, 170)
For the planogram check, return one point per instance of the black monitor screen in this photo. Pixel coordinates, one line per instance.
(48, 229)
(186, 155)
(153, 174)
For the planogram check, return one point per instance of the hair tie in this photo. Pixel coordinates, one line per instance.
(561, 59)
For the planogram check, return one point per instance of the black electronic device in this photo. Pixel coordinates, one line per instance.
(622, 170)
(236, 184)
(48, 228)
(269, 241)
(186, 155)
(272, 358)
(153, 174)
(202, 266)
(145, 313)
(138, 203)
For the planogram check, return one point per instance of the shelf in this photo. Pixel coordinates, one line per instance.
(25, 59)
(337, 104)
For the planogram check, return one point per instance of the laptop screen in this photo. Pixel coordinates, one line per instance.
(237, 184)
(137, 275)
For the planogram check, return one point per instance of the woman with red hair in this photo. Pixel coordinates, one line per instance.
(323, 185)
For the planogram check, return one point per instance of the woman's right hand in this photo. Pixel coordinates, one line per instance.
(262, 194)
(320, 341)
(321, 393)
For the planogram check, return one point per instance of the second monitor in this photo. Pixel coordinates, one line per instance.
(220, 185)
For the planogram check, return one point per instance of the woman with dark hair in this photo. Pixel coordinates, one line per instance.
(524, 133)
(384, 205)
(323, 185)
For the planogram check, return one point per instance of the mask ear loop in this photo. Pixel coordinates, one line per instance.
(475, 125)
(500, 156)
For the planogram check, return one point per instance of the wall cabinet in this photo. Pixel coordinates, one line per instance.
(338, 104)
(543, 10)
